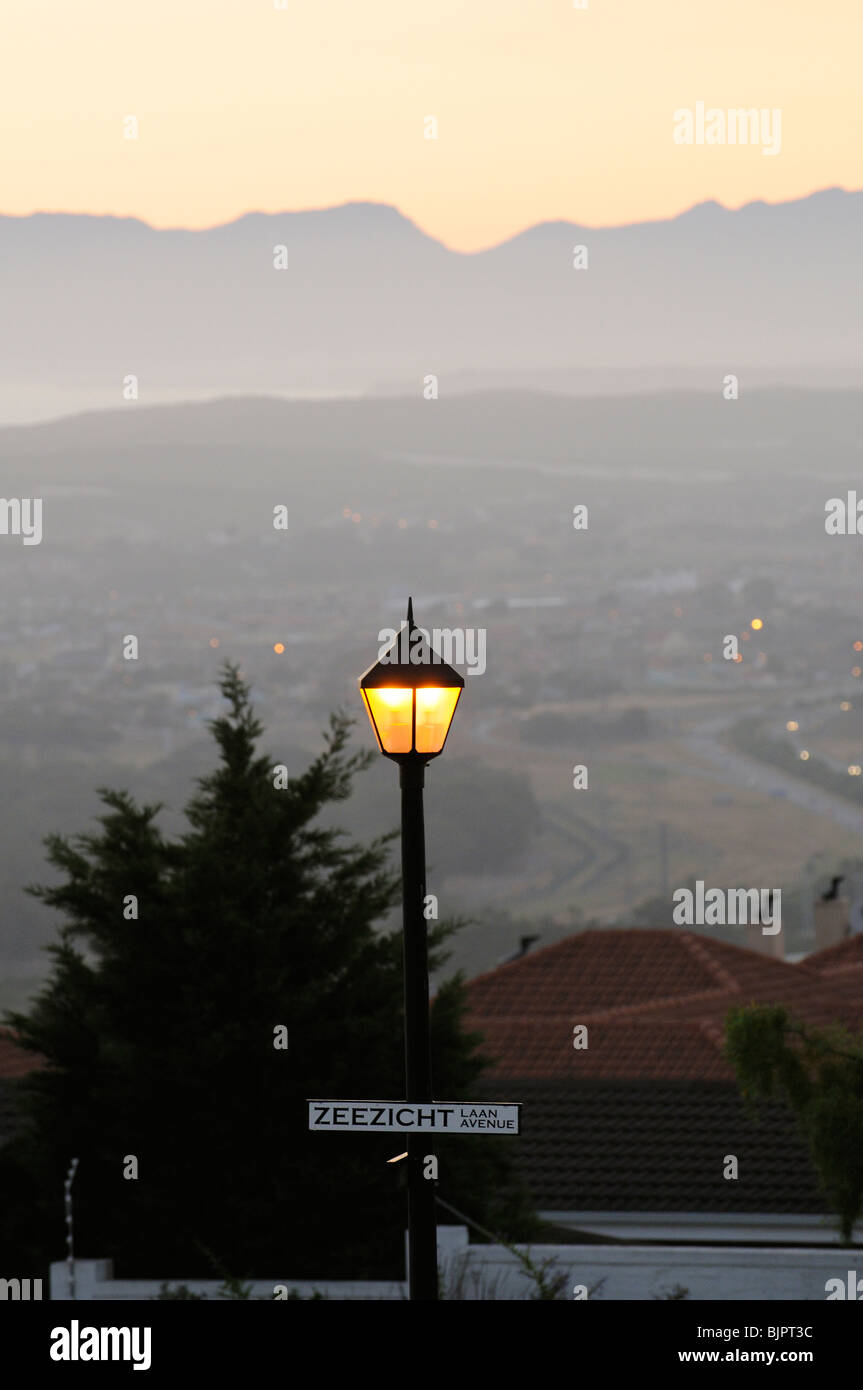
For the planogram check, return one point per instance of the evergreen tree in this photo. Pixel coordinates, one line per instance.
(820, 1074)
(159, 1028)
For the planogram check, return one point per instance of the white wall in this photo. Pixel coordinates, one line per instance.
(646, 1272)
(94, 1282)
(486, 1272)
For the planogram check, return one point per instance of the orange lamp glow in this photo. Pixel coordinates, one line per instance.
(411, 720)
(391, 712)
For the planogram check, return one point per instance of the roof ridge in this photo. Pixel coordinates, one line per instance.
(566, 942)
(697, 948)
(740, 952)
(615, 1011)
(539, 1019)
(529, 955)
(671, 1001)
(836, 948)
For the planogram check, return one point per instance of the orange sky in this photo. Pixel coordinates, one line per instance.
(544, 110)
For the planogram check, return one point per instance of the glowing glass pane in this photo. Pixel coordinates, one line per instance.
(390, 709)
(435, 709)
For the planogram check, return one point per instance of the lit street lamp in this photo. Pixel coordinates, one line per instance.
(410, 695)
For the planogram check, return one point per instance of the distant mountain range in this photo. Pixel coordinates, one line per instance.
(369, 303)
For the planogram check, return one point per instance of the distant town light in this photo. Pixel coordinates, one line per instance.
(357, 516)
(278, 648)
(855, 671)
(756, 624)
(858, 646)
(214, 641)
(805, 755)
(854, 770)
(846, 704)
(792, 726)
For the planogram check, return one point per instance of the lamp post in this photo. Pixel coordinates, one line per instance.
(410, 695)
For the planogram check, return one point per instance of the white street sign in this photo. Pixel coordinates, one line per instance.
(405, 1117)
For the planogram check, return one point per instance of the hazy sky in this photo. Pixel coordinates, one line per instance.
(544, 110)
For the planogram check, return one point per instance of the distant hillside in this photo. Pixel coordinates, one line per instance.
(807, 433)
(369, 301)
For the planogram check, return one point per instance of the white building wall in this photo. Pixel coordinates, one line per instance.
(488, 1272)
(632, 1272)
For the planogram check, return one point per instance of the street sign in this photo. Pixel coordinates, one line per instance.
(405, 1117)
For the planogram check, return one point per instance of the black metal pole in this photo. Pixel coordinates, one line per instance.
(422, 1228)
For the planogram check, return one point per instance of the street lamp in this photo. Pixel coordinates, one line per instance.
(410, 695)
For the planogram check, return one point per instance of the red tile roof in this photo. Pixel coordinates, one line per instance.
(845, 955)
(654, 1002)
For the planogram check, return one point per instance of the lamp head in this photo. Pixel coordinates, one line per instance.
(410, 695)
